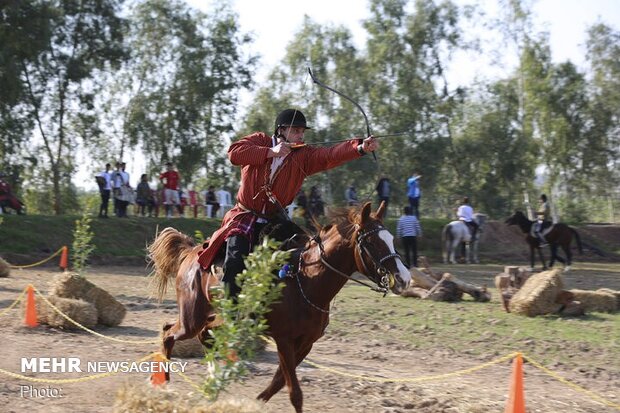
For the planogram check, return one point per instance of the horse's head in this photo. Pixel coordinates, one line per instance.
(375, 254)
(517, 218)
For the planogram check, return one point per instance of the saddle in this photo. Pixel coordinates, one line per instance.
(545, 228)
(292, 237)
(471, 227)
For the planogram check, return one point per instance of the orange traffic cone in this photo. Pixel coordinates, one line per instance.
(516, 399)
(64, 258)
(31, 309)
(158, 378)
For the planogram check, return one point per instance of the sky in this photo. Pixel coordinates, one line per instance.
(273, 24)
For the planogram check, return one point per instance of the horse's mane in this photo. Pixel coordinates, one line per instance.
(343, 218)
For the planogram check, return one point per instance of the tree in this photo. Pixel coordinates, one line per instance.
(601, 146)
(408, 55)
(56, 76)
(181, 84)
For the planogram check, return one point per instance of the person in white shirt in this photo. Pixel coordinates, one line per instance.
(408, 229)
(104, 180)
(465, 213)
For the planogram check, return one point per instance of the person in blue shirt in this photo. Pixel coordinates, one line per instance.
(414, 193)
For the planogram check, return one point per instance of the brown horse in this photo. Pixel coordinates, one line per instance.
(559, 235)
(354, 241)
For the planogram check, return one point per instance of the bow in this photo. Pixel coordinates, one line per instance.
(357, 105)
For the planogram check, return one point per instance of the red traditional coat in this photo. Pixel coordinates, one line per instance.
(251, 154)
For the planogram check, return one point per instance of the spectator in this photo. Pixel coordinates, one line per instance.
(104, 180)
(121, 190)
(116, 187)
(414, 193)
(408, 229)
(144, 197)
(211, 199)
(316, 202)
(350, 195)
(125, 193)
(170, 179)
(383, 191)
(7, 199)
(302, 203)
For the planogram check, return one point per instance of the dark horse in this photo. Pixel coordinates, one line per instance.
(354, 241)
(559, 235)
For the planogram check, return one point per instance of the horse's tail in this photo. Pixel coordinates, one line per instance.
(578, 238)
(166, 254)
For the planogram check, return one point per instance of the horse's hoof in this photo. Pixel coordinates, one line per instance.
(567, 268)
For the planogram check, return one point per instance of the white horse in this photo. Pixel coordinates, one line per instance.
(457, 232)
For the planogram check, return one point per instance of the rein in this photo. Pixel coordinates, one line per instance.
(381, 287)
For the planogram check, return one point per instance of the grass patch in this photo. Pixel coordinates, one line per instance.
(481, 330)
(114, 236)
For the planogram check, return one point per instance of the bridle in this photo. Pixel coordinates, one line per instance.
(383, 278)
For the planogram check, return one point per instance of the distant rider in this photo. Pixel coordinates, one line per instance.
(543, 219)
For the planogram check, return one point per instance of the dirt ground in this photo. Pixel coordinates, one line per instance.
(324, 391)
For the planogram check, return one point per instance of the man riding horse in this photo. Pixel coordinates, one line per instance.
(273, 169)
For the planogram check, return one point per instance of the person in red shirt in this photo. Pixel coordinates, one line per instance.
(171, 179)
(273, 169)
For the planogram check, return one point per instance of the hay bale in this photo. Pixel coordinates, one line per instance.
(616, 293)
(538, 295)
(600, 301)
(78, 310)
(5, 268)
(143, 398)
(70, 285)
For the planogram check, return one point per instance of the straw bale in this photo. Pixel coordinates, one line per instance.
(616, 293)
(538, 295)
(144, 398)
(600, 301)
(78, 310)
(70, 285)
(5, 268)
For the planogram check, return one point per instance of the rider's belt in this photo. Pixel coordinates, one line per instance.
(256, 213)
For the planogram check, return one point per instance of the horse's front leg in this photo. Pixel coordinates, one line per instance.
(278, 379)
(286, 354)
(532, 257)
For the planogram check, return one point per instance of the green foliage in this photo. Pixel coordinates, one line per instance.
(190, 67)
(199, 236)
(82, 246)
(234, 343)
(56, 75)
